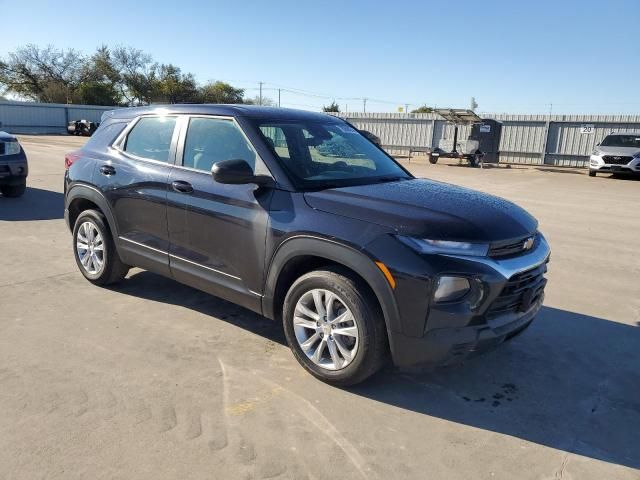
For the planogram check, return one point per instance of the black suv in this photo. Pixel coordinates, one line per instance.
(13, 166)
(299, 217)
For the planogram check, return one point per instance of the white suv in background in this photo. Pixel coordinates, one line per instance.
(618, 153)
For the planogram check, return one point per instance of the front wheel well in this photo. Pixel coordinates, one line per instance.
(302, 264)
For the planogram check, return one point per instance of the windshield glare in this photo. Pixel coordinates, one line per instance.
(621, 141)
(328, 154)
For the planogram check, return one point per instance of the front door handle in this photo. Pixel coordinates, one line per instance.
(182, 186)
(107, 170)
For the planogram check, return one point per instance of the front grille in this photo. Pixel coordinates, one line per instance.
(512, 248)
(616, 159)
(521, 292)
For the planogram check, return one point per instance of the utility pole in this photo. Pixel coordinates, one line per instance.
(550, 109)
(364, 105)
(278, 98)
(260, 92)
(406, 108)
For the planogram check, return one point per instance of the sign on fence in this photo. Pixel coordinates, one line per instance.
(586, 128)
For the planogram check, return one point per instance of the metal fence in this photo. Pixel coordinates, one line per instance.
(41, 118)
(560, 140)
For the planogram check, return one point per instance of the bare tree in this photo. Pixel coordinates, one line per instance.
(42, 74)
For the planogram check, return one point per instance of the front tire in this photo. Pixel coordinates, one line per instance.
(334, 327)
(592, 173)
(14, 191)
(432, 160)
(95, 251)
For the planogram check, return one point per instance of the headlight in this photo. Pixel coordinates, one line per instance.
(424, 245)
(11, 148)
(450, 289)
(597, 153)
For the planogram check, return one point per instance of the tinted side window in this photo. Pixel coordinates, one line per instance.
(211, 140)
(151, 138)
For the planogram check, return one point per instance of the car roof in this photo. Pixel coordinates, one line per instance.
(235, 110)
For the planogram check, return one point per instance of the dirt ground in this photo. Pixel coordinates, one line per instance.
(151, 379)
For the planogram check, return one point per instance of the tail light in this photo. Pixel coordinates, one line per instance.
(70, 157)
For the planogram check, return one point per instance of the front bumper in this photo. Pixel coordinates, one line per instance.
(598, 164)
(445, 346)
(436, 334)
(13, 169)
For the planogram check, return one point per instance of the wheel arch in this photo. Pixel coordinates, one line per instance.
(83, 197)
(313, 252)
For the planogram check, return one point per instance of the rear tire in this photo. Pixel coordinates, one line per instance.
(14, 191)
(432, 160)
(95, 251)
(592, 173)
(354, 348)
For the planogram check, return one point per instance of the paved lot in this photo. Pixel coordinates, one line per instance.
(152, 379)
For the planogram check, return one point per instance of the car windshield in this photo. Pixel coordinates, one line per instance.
(621, 141)
(331, 154)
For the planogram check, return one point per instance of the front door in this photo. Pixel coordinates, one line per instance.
(217, 231)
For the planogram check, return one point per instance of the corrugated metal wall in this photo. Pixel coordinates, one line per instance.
(529, 139)
(526, 139)
(40, 118)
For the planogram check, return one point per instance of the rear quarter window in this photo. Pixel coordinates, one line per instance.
(105, 135)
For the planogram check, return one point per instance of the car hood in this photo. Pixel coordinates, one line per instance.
(621, 151)
(6, 137)
(428, 209)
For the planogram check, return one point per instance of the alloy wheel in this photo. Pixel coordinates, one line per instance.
(325, 329)
(90, 248)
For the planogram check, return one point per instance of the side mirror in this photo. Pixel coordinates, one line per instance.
(598, 144)
(237, 172)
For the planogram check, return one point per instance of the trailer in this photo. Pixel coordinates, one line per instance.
(480, 147)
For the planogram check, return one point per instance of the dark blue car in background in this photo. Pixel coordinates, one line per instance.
(13, 166)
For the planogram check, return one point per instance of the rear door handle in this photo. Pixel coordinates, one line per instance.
(182, 186)
(107, 170)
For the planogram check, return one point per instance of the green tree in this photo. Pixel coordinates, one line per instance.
(334, 107)
(138, 75)
(423, 109)
(220, 92)
(100, 80)
(172, 86)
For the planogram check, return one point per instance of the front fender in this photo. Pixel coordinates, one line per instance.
(339, 253)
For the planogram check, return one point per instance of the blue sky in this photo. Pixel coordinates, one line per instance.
(512, 56)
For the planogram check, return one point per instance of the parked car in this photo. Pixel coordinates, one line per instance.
(355, 256)
(617, 153)
(13, 166)
(84, 128)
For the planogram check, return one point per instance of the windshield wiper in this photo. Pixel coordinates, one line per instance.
(390, 179)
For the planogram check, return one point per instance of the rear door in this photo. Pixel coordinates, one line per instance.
(217, 231)
(134, 181)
